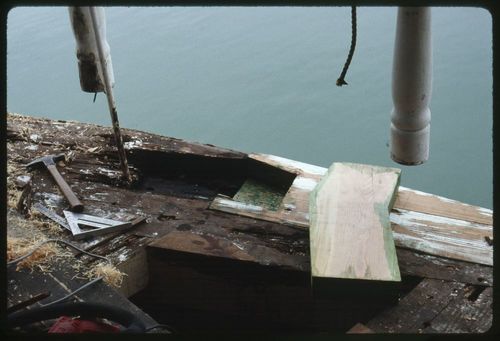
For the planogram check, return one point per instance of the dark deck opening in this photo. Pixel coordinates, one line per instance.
(189, 175)
(195, 293)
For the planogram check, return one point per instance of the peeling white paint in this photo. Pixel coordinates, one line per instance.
(22, 180)
(485, 211)
(423, 232)
(305, 167)
(35, 138)
(32, 147)
(406, 189)
(456, 251)
(237, 205)
(122, 257)
(52, 199)
(97, 196)
(481, 210)
(107, 171)
(238, 246)
(133, 144)
(306, 184)
(405, 217)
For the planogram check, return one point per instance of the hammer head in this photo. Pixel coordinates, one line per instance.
(45, 161)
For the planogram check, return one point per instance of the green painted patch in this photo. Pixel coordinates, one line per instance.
(260, 194)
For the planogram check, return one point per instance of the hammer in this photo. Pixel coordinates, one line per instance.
(49, 162)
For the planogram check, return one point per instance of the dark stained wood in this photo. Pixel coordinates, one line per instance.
(470, 312)
(223, 293)
(438, 306)
(428, 266)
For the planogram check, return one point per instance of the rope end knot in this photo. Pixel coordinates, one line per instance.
(341, 82)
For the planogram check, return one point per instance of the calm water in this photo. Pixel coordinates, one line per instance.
(263, 80)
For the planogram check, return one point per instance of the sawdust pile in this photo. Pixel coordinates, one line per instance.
(13, 193)
(109, 273)
(41, 222)
(41, 257)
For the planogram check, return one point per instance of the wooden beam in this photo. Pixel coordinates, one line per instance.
(350, 232)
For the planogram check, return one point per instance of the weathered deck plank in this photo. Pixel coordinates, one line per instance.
(440, 236)
(427, 266)
(412, 200)
(437, 306)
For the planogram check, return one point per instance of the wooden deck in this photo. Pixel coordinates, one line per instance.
(216, 256)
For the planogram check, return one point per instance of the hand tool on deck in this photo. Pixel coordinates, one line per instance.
(49, 163)
(100, 225)
(52, 215)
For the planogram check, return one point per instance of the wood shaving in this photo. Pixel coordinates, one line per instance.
(109, 273)
(17, 247)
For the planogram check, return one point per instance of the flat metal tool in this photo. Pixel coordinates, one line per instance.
(51, 215)
(98, 225)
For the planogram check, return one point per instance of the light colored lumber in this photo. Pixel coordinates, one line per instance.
(350, 232)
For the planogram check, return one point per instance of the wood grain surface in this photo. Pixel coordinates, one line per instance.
(350, 233)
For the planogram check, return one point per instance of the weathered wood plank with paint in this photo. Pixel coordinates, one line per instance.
(441, 236)
(350, 233)
(413, 211)
(412, 200)
(293, 207)
(412, 263)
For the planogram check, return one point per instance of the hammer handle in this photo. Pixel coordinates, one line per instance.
(76, 205)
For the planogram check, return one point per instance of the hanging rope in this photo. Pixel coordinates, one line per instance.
(341, 80)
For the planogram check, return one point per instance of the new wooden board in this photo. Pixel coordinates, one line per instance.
(350, 232)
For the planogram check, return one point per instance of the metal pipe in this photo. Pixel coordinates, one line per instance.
(411, 86)
(99, 25)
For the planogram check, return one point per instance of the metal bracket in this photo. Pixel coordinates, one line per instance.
(100, 225)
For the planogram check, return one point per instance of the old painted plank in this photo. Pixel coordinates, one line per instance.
(412, 200)
(257, 193)
(350, 234)
(442, 236)
(407, 198)
(427, 266)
